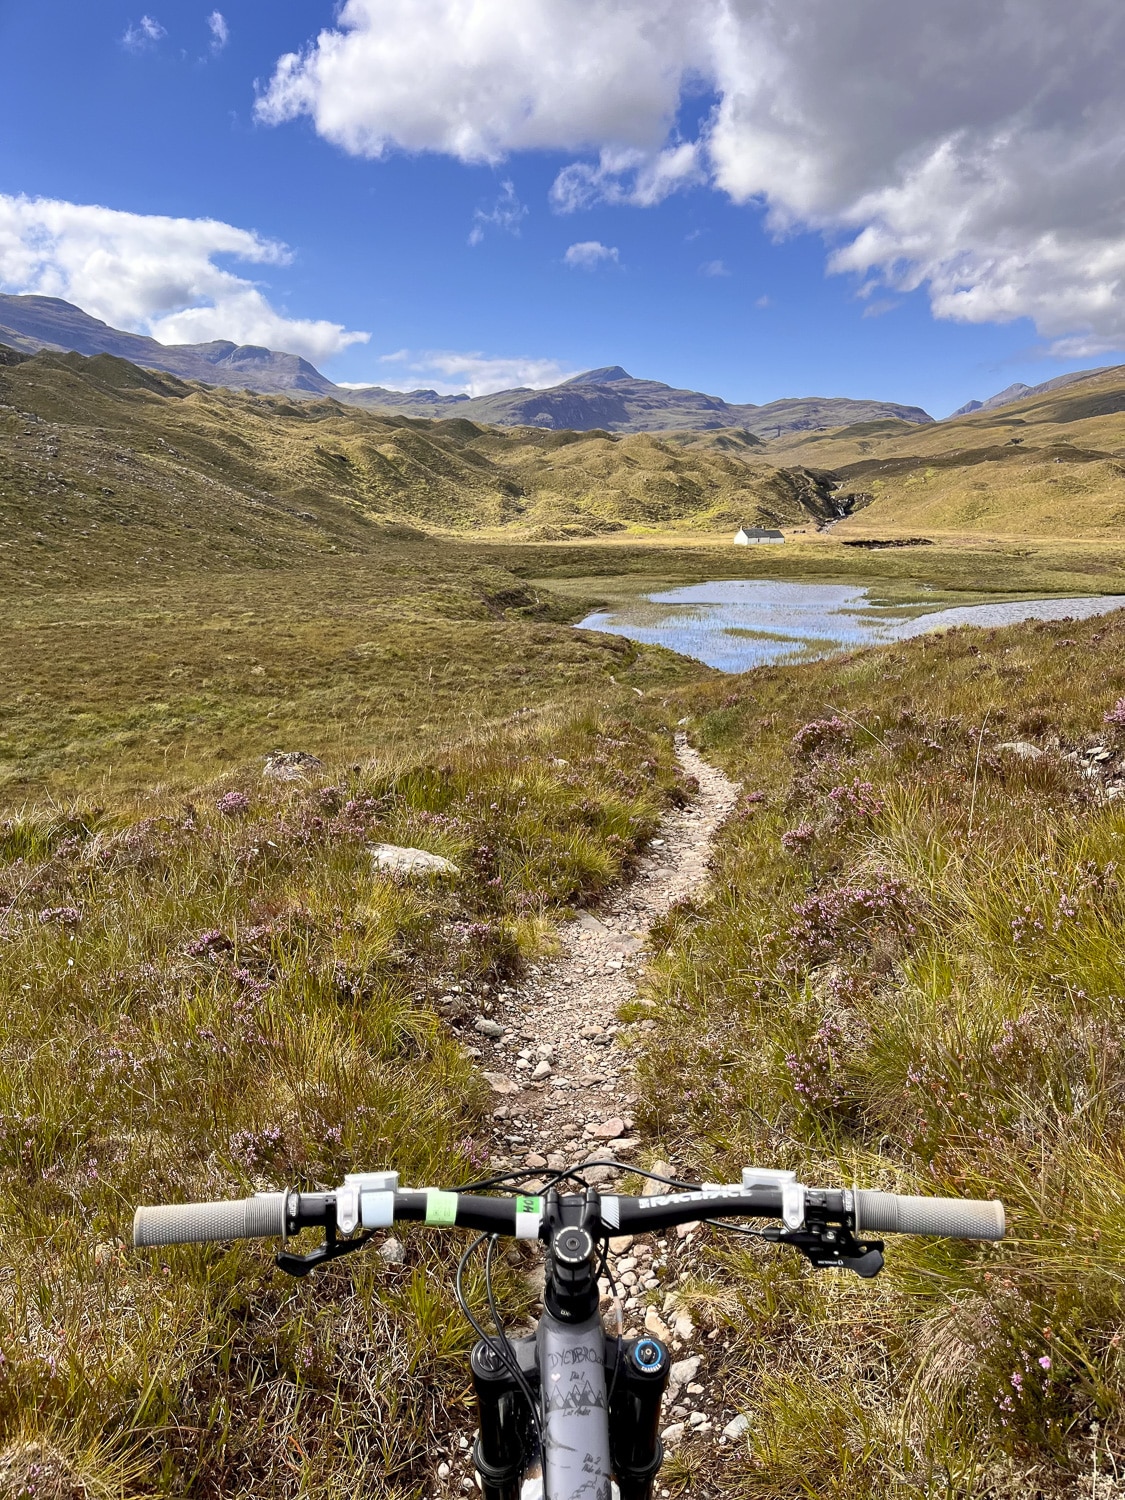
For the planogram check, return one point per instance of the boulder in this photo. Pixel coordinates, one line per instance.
(410, 862)
(291, 765)
(1022, 748)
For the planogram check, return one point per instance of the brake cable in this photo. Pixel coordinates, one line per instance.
(505, 1350)
(512, 1358)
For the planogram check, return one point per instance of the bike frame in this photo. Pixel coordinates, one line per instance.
(598, 1401)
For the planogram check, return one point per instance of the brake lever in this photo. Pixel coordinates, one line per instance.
(332, 1249)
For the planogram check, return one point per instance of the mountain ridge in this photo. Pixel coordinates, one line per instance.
(610, 399)
(1019, 392)
(603, 399)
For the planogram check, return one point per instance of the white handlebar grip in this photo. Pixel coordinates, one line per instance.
(194, 1223)
(957, 1218)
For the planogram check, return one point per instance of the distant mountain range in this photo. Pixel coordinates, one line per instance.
(612, 399)
(33, 323)
(609, 398)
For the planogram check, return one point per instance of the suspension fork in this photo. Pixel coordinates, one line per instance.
(506, 1441)
(575, 1411)
(636, 1374)
(633, 1376)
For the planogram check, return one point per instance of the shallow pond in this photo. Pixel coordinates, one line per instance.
(742, 623)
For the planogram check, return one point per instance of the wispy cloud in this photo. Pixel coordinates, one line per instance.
(450, 372)
(764, 301)
(713, 268)
(220, 31)
(641, 178)
(146, 33)
(506, 214)
(588, 255)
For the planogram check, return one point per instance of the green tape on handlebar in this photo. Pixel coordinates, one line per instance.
(441, 1208)
(529, 1213)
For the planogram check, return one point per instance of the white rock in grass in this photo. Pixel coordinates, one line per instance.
(736, 1427)
(291, 765)
(392, 1252)
(409, 862)
(1022, 748)
(673, 1434)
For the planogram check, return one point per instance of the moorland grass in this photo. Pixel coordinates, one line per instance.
(114, 691)
(910, 974)
(223, 995)
(957, 564)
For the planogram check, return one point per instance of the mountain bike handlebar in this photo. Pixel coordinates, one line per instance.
(584, 1403)
(370, 1201)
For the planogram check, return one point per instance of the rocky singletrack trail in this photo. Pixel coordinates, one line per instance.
(563, 1085)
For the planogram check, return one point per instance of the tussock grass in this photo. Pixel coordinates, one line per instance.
(223, 995)
(911, 975)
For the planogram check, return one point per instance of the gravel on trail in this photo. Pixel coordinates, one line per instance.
(564, 1093)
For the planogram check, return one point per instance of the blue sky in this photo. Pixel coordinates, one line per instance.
(453, 258)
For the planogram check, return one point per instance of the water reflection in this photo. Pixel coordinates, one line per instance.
(742, 623)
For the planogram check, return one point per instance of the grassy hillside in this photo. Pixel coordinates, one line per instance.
(1052, 465)
(181, 474)
(186, 475)
(910, 976)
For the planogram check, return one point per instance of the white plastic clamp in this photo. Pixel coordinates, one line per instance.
(365, 1196)
(792, 1191)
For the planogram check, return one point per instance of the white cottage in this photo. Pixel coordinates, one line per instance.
(748, 536)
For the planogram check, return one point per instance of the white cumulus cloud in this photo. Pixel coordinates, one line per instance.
(480, 78)
(220, 31)
(477, 374)
(587, 255)
(976, 150)
(152, 274)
